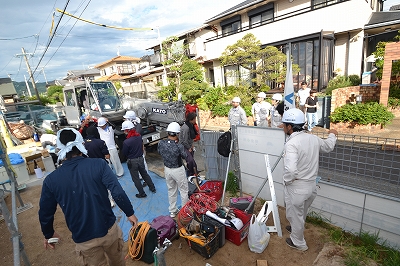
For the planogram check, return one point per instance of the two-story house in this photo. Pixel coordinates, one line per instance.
(118, 68)
(326, 36)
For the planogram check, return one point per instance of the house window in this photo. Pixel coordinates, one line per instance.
(237, 75)
(261, 15)
(322, 3)
(231, 25)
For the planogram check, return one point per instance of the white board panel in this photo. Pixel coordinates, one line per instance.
(342, 222)
(252, 163)
(381, 205)
(341, 195)
(326, 207)
(389, 238)
(384, 222)
(261, 140)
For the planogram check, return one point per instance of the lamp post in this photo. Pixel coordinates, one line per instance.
(164, 77)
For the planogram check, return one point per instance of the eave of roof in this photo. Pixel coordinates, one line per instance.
(234, 9)
(384, 18)
(120, 58)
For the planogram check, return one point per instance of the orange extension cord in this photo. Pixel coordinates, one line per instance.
(136, 240)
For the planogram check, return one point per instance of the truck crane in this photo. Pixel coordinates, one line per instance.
(100, 99)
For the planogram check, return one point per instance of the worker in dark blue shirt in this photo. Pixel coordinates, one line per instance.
(95, 147)
(133, 150)
(79, 186)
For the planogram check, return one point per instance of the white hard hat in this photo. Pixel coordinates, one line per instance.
(237, 223)
(174, 127)
(127, 125)
(262, 95)
(277, 97)
(236, 100)
(293, 116)
(130, 115)
(101, 122)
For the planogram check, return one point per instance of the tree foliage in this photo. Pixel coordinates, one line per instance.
(379, 55)
(185, 74)
(264, 64)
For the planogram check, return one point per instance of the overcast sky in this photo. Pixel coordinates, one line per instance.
(79, 45)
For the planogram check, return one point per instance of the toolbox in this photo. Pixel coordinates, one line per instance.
(165, 226)
(237, 236)
(241, 203)
(220, 227)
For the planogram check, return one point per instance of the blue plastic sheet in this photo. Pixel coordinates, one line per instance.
(146, 209)
(15, 158)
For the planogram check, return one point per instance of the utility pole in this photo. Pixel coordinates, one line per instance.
(44, 76)
(27, 87)
(165, 80)
(30, 73)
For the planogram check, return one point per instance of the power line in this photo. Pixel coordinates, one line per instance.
(51, 38)
(18, 38)
(102, 25)
(66, 35)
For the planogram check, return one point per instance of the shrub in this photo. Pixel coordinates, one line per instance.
(338, 82)
(232, 184)
(363, 114)
(354, 80)
(393, 102)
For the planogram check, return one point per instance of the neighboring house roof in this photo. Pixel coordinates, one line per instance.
(395, 7)
(235, 9)
(7, 87)
(381, 19)
(86, 72)
(118, 59)
(113, 77)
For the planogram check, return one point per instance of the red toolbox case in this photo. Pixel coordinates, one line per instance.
(237, 236)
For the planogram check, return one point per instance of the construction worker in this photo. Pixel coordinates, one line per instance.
(133, 150)
(300, 172)
(260, 110)
(186, 138)
(236, 115)
(172, 153)
(276, 117)
(79, 187)
(107, 134)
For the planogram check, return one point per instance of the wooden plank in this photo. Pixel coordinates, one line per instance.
(262, 263)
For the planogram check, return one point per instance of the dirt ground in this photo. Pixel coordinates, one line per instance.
(277, 252)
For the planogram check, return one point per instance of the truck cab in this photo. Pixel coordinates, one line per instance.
(94, 98)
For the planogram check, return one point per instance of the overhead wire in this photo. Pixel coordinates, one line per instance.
(99, 24)
(49, 42)
(65, 36)
(18, 38)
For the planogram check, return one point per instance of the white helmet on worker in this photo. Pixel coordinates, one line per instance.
(277, 97)
(130, 115)
(236, 100)
(262, 95)
(293, 116)
(127, 125)
(174, 127)
(102, 121)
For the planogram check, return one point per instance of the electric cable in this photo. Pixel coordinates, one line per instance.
(64, 37)
(136, 240)
(98, 24)
(49, 42)
(18, 38)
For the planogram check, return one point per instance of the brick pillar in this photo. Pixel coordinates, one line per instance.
(392, 52)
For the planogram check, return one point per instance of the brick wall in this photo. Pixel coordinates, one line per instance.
(347, 95)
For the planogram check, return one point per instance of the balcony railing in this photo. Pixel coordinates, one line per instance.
(278, 18)
(126, 69)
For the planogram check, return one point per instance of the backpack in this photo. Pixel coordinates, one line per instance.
(224, 144)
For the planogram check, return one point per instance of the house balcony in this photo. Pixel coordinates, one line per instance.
(126, 70)
(155, 59)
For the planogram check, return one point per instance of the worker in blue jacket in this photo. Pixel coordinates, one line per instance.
(79, 186)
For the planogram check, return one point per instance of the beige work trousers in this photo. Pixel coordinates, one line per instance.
(176, 179)
(103, 251)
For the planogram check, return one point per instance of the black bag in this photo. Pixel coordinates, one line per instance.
(224, 144)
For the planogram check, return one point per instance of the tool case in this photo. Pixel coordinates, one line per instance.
(242, 203)
(165, 227)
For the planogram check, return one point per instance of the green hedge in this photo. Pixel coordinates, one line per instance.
(363, 114)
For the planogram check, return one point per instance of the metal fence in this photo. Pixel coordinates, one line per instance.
(362, 162)
(370, 164)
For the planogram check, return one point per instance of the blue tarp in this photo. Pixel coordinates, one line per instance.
(146, 209)
(15, 158)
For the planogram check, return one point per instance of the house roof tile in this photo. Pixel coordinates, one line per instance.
(119, 59)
